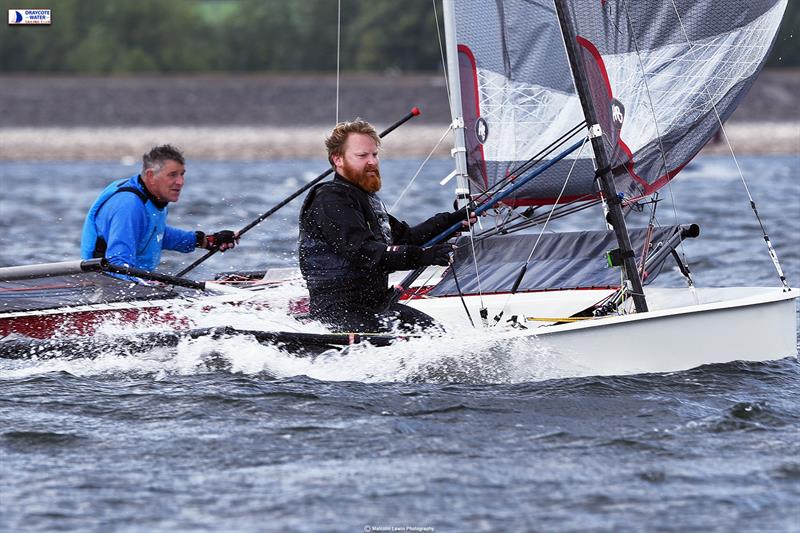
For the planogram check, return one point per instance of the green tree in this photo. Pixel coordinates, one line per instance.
(394, 35)
(107, 36)
(116, 36)
(280, 35)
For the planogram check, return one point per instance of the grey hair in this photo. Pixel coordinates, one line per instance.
(159, 155)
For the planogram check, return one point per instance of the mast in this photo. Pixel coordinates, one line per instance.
(615, 218)
(456, 112)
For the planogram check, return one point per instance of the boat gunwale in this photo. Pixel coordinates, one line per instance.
(764, 298)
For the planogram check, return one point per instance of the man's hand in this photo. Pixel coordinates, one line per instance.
(438, 254)
(221, 240)
(460, 215)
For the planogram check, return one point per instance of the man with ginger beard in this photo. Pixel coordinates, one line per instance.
(349, 244)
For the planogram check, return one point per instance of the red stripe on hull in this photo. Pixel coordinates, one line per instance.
(85, 322)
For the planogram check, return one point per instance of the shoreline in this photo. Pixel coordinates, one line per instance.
(272, 142)
(245, 116)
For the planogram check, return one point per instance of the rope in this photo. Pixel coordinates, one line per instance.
(772, 254)
(474, 262)
(461, 295)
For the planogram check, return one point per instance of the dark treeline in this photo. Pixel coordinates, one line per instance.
(118, 36)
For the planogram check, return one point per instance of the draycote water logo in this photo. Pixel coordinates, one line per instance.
(29, 16)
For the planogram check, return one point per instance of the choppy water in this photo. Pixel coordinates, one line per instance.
(456, 438)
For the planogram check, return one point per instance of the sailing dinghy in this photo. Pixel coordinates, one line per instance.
(559, 105)
(564, 106)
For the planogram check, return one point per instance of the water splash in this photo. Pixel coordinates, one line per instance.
(462, 355)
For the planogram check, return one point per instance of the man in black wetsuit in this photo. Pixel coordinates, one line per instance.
(349, 243)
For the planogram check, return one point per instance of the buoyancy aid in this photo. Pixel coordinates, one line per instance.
(94, 239)
(319, 261)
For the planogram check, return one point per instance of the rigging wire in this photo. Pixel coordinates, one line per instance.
(503, 216)
(773, 255)
(483, 312)
(539, 237)
(530, 163)
(467, 205)
(338, 55)
(517, 172)
(662, 151)
(416, 293)
(560, 211)
(648, 238)
(461, 295)
(421, 166)
(441, 54)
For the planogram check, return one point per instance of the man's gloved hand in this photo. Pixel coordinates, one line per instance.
(438, 254)
(221, 240)
(461, 216)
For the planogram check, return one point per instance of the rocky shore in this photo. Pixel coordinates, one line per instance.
(285, 116)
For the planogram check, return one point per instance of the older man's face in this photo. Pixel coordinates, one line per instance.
(360, 164)
(166, 184)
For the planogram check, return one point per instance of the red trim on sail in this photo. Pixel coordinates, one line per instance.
(659, 182)
(650, 188)
(592, 49)
(462, 48)
(629, 167)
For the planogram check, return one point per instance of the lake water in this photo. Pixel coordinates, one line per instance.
(170, 442)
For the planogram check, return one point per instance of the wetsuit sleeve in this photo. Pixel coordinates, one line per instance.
(179, 240)
(341, 223)
(123, 222)
(418, 235)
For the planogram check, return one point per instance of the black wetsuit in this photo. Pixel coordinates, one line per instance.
(348, 246)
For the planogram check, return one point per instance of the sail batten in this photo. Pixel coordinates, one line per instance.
(663, 75)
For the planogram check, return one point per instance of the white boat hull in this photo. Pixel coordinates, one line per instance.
(684, 328)
(748, 324)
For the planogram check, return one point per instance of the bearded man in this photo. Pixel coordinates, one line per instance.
(349, 244)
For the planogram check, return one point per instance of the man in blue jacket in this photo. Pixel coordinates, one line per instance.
(127, 224)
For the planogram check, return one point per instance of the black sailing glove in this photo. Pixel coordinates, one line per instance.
(408, 256)
(221, 240)
(438, 254)
(460, 216)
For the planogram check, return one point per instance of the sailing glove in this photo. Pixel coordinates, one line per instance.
(221, 240)
(438, 254)
(408, 256)
(460, 216)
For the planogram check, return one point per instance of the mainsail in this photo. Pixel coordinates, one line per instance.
(662, 76)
